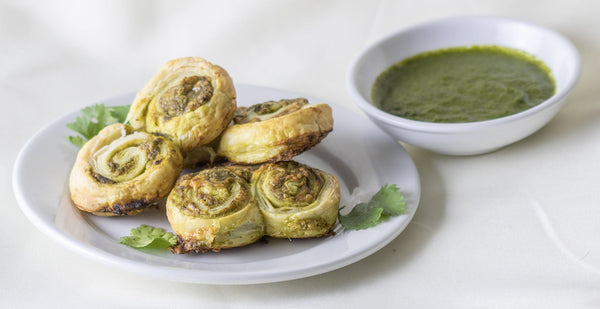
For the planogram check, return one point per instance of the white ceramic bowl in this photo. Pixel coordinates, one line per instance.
(557, 52)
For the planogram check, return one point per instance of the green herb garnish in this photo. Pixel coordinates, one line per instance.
(146, 236)
(387, 202)
(93, 119)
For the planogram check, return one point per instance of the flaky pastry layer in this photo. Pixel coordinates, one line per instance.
(279, 138)
(122, 172)
(190, 100)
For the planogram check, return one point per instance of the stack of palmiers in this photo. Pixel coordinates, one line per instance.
(248, 186)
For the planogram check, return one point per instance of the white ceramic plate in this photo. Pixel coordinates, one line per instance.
(361, 156)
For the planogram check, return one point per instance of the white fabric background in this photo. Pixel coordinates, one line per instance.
(517, 228)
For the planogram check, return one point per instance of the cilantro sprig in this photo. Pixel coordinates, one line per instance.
(93, 119)
(146, 236)
(387, 202)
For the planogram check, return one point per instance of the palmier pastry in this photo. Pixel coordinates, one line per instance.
(121, 172)
(214, 209)
(274, 131)
(296, 201)
(189, 100)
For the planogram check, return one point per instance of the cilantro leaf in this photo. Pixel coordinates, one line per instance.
(146, 236)
(93, 119)
(77, 140)
(390, 200)
(387, 202)
(119, 112)
(361, 217)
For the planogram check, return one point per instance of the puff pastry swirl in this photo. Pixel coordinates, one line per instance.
(121, 172)
(214, 209)
(189, 100)
(295, 200)
(274, 131)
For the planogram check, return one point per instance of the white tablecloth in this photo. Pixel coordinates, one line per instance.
(517, 228)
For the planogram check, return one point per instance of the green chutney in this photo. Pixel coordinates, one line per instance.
(463, 84)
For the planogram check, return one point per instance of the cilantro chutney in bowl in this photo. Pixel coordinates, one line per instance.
(464, 85)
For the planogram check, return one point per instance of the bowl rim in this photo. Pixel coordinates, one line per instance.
(416, 125)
